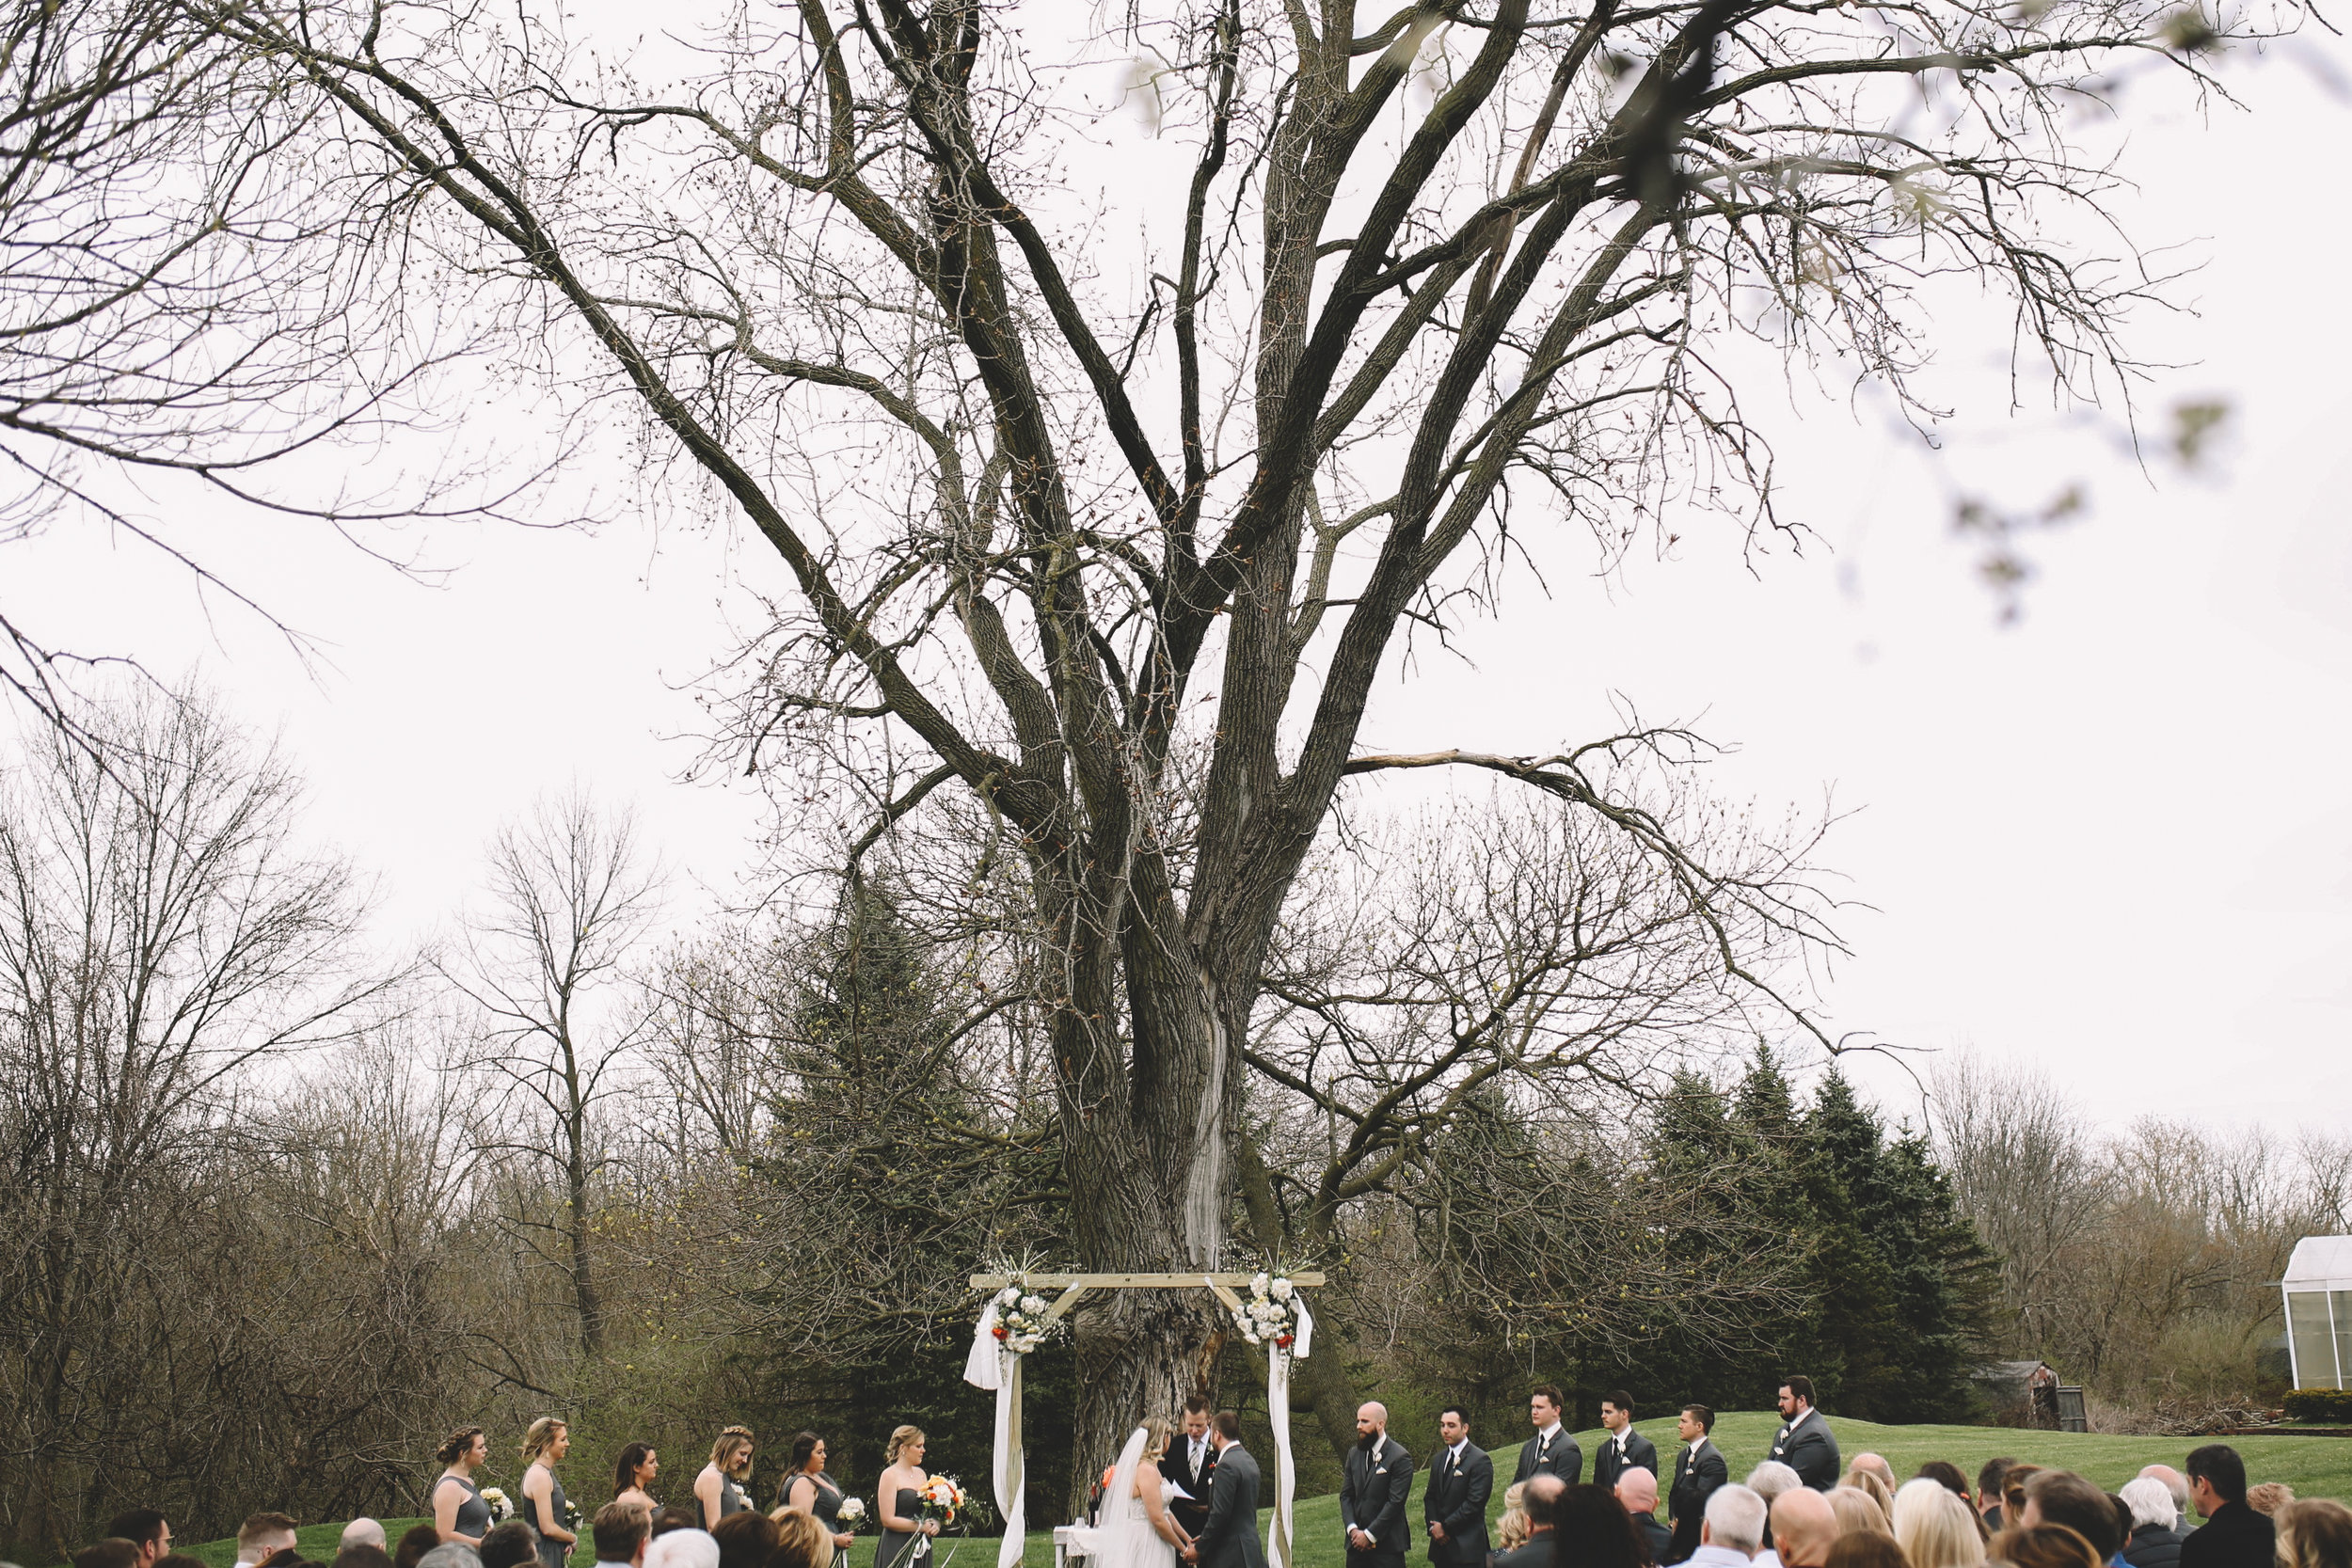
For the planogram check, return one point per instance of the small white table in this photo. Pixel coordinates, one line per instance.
(1066, 1550)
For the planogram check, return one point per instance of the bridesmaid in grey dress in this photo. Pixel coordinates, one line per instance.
(544, 1447)
(459, 1511)
(719, 1490)
(809, 1489)
(898, 1499)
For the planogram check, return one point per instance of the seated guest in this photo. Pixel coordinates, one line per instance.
(113, 1552)
(1935, 1528)
(1866, 1550)
(1804, 1526)
(1768, 1481)
(360, 1556)
(2063, 1497)
(2013, 1491)
(2315, 1532)
(1510, 1527)
(1733, 1530)
(682, 1548)
(181, 1560)
(2268, 1497)
(746, 1540)
(509, 1546)
(1856, 1512)
(415, 1542)
(1946, 1475)
(2232, 1535)
(1541, 1499)
(672, 1519)
(1592, 1529)
(361, 1531)
(2153, 1541)
(144, 1527)
(2177, 1485)
(1637, 1489)
(1868, 1484)
(2042, 1546)
(1990, 1475)
(262, 1536)
(620, 1531)
(1874, 1465)
(451, 1553)
(802, 1542)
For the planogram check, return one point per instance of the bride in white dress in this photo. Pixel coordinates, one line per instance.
(1141, 1534)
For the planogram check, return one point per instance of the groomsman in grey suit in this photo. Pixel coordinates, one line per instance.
(1230, 1539)
(1804, 1442)
(1461, 1479)
(1626, 1448)
(1372, 1496)
(1551, 1452)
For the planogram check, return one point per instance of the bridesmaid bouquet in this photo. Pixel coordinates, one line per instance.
(943, 1498)
(850, 1514)
(573, 1519)
(500, 1510)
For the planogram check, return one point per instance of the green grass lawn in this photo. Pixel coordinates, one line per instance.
(2314, 1466)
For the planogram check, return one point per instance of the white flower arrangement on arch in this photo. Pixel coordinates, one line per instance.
(1022, 1324)
(1269, 1316)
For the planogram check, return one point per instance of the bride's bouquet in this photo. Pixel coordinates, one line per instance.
(1022, 1324)
(850, 1514)
(500, 1510)
(1271, 1313)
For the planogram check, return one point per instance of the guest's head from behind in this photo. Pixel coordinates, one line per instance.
(1934, 1527)
(745, 1540)
(1511, 1526)
(415, 1542)
(1695, 1422)
(1772, 1478)
(1616, 1410)
(2175, 1483)
(262, 1535)
(2217, 1477)
(181, 1560)
(802, 1543)
(2043, 1546)
(2315, 1532)
(1735, 1520)
(1876, 1465)
(451, 1553)
(2063, 1497)
(1946, 1475)
(635, 1467)
(2269, 1497)
(1638, 1490)
(732, 1452)
(1990, 1475)
(673, 1519)
(1542, 1501)
(620, 1532)
(113, 1552)
(1796, 1396)
(1804, 1526)
(2151, 1502)
(360, 1532)
(1869, 1483)
(1592, 1529)
(906, 1446)
(682, 1548)
(465, 1448)
(1866, 1550)
(362, 1554)
(1856, 1511)
(2013, 1491)
(509, 1546)
(144, 1527)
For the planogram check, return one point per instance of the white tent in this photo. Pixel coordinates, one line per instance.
(2318, 1289)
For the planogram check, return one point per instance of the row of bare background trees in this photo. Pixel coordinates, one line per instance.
(281, 1209)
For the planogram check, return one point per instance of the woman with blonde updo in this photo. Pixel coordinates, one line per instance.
(719, 1490)
(1511, 1529)
(1934, 1527)
(898, 1499)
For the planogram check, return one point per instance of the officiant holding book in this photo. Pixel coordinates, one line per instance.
(1190, 1464)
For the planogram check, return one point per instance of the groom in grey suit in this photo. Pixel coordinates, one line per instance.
(1230, 1539)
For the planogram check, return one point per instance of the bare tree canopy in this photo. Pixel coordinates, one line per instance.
(1118, 548)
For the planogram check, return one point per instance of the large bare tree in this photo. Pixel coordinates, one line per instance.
(1120, 541)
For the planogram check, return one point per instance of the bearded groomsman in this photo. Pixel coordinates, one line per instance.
(1372, 1497)
(1626, 1449)
(1699, 1470)
(1804, 1442)
(1551, 1452)
(1461, 1479)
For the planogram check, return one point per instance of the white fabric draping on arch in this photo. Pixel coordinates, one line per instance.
(989, 1364)
(1278, 1535)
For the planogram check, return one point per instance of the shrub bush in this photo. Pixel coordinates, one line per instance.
(2319, 1404)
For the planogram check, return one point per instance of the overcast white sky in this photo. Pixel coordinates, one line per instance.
(2112, 838)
